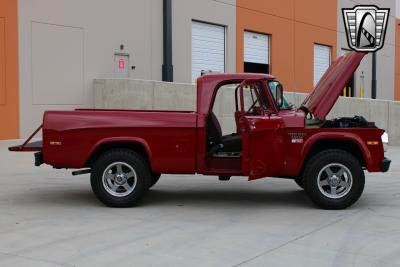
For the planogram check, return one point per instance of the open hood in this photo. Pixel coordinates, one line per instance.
(325, 94)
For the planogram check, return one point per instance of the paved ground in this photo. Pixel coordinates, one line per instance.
(50, 218)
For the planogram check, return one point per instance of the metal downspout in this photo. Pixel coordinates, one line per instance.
(167, 67)
(373, 82)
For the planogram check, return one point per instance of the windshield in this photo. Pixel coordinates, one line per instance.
(272, 86)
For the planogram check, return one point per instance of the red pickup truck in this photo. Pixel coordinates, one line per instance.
(126, 151)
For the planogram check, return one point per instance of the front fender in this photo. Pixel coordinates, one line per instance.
(356, 139)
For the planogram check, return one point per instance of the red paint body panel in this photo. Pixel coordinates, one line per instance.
(373, 155)
(266, 156)
(168, 137)
(297, 153)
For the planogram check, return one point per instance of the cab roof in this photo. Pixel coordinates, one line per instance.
(209, 83)
(234, 76)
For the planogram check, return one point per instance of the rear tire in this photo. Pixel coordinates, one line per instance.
(120, 177)
(334, 179)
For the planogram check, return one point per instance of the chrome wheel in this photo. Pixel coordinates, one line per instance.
(119, 179)
(335, 180)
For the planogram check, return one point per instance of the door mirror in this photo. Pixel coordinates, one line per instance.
(279, 95)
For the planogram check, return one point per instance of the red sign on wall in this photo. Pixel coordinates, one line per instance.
(121, 64)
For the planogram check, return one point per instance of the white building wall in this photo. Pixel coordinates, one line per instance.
(398, 8)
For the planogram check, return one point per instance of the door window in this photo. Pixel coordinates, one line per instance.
(254, 100)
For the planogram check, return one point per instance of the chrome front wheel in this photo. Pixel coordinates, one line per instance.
(335, 180)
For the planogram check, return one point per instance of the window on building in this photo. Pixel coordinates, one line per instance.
(322, 60)
(256, 52)
(208, 48)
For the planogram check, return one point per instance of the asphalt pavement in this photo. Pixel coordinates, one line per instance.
(50, 218)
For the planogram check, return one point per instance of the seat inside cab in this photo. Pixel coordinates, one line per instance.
(222, 130)
(222, 145)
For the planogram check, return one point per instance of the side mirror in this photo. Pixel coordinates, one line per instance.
(279, 95)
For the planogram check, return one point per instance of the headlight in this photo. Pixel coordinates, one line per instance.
(385, 141)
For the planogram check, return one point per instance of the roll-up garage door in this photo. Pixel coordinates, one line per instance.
(208, 48)
(322, 60)
(256, 52)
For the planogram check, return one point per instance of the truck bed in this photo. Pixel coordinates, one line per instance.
(168, 137)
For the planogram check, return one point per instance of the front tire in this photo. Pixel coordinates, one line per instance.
(120, 177)
(334, 179)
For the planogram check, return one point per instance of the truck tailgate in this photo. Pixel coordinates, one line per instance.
(33, 146)
(28, 146)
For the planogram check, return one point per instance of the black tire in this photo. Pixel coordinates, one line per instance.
(154, 179)
(132, 160)
(337, 159)
(299, 181)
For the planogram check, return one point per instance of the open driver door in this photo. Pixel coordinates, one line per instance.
(261, 129)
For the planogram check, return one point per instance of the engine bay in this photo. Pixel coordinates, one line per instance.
(348, 122)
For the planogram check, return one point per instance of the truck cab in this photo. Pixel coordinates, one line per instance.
(255, 97)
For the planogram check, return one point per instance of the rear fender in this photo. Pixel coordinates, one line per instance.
(119, 140)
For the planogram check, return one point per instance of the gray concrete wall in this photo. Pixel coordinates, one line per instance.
(145, 95)
(385, 56)
(140, 94)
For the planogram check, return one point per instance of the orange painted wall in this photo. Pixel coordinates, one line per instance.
(397, 63)
(9, 118)
(294, 27)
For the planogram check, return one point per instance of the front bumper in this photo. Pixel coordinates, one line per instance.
(385, 164)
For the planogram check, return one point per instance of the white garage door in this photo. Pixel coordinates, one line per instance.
(256, 48)
(322, 60)
(208, 48)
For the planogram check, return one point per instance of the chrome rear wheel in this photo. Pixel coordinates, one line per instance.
(119, 179)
